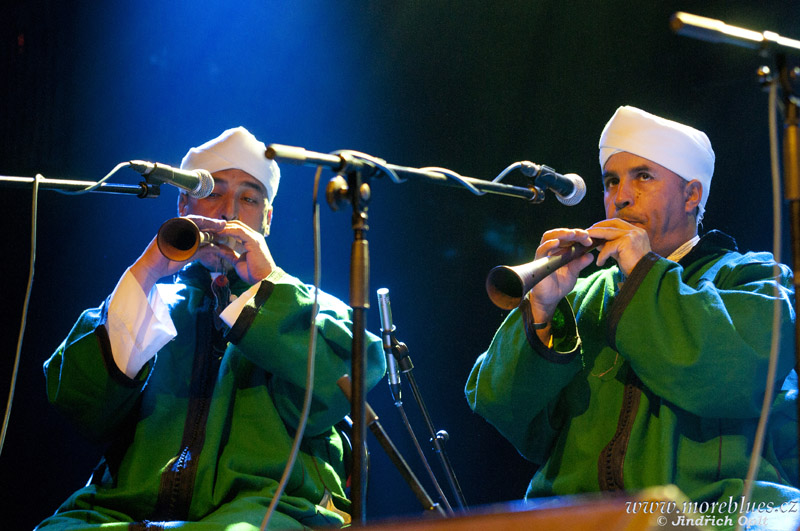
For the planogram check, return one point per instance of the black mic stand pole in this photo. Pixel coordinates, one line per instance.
(355, 190)
(791, 183)
(438, 438)
(394, 454)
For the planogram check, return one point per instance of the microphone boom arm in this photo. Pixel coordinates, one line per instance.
(142, 190)
(344, 161)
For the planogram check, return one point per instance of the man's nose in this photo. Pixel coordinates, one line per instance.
(624, 195)
(229, 210)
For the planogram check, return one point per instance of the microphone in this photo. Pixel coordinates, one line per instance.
(569, 189)
(387, 331)
(198, 183)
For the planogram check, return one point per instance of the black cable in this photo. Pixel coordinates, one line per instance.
(301, 425)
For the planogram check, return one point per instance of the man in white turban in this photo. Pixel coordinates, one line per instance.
(196, 385)
(651, 371)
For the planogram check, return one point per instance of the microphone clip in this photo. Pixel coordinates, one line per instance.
(569, 188)
(531, 169)
(399, 351)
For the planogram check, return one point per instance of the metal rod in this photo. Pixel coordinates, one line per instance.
(391, 450)
(713, 30)
(337, 163)
(141, 190)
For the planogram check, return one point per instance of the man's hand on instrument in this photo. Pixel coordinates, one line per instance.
(245, 249)
(545, 296)
(239, 247)
(152, 265)
(625, 243)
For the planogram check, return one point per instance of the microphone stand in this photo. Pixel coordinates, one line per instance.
(355, 189)
(394, 454)
(344, 160)
(768, 41)
(791, 176)
(142, 190)
(438, 438)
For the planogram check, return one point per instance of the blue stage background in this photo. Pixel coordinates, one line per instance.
(467, 85)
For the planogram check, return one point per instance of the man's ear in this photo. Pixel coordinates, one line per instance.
(267, 220)
(692, 194)
(183, 203)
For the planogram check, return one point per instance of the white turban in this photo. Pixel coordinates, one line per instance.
(677, 147)
(236, 149)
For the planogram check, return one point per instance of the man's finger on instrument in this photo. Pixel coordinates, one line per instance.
(613, 222)
(606, 251)
(581, 263)
(240, 231)
(216, 250)
(554, 247)
(546, 247)
(607, 233)
(567, 235)
(209, 224)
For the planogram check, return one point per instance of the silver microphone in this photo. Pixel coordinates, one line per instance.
(569, 189)
(387, 331)
(197, 183)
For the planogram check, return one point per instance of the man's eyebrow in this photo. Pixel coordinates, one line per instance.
(637, 169)
(220, 181)
(607, 174)
(258, 187)
(640, 168)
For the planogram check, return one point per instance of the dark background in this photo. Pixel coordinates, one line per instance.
(468, 85)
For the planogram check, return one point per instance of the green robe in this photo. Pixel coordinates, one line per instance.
(203, 433)
(658, 381)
